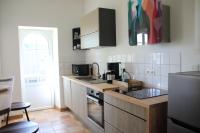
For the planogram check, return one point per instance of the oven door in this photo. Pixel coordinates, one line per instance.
(95, 110)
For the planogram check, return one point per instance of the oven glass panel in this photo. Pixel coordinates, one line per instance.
(95, 111)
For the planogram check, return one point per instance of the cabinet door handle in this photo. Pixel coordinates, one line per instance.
(93, 99)
(89, 33)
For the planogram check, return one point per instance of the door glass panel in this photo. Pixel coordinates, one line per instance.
(36, 61)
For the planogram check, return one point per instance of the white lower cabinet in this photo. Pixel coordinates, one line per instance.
(67, 93)
(124, 121)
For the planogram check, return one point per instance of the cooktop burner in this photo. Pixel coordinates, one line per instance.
(147, 93)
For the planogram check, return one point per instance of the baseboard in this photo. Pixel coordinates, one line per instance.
(15, 117)
(62, 109)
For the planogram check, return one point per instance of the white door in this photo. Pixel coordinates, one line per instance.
(37, 66)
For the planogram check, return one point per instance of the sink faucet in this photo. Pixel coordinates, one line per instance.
(98, 74)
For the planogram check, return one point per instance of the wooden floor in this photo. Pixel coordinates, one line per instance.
(54, 121)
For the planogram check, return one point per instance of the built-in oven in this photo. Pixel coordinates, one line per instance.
(95, 107)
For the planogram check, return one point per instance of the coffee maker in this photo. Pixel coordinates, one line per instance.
(115, 67)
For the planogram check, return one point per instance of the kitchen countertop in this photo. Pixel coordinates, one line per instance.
(107, 89)
(98, 87)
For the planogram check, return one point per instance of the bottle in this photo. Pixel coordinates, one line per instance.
(125, 75)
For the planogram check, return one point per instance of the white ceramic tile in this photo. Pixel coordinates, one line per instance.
(185, 68)
(195, 67)
(148, 58)
(156, 81)
(109, 59)
(148, 68)
(128, 58)
(165, 58)
(157, 70)
(128, 67)
(133, 57)
(139, 58)
(66, 69)
(165, 69)
(123, 58)
(114, 58)
(139, 68)
(134, 68)
(148, 81)
(139, 77)
(175, 58)
(164, 82)
(156, 58)
(174, 68)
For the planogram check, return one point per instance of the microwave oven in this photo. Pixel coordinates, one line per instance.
(81, 69)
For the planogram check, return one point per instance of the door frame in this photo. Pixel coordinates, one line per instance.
(55, 57)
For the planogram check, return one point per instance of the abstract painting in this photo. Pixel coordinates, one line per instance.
(148, 22)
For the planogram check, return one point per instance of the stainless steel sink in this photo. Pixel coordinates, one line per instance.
(97, 81)
(86, 78)
(91, 80)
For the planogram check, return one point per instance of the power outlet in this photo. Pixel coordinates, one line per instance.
(150, 72)
(147, 71)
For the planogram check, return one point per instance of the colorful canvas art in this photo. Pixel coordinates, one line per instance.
(146, 22)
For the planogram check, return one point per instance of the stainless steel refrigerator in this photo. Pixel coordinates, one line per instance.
(184, 102)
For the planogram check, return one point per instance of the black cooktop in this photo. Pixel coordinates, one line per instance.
(143, 93)
(146, 93)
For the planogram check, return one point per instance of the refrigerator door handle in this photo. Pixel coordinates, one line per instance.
(182, 124)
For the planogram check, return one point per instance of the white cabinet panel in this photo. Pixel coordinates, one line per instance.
(67, 93)
(90, 41)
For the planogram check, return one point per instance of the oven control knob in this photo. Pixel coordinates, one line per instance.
(92, 91)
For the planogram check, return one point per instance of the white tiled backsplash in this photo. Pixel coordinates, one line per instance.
(66, 61)
(152, 68)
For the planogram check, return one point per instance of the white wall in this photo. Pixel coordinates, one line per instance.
(181, 52)
(0, 62)
(63, 14)
(0, 41)
(197, 26)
